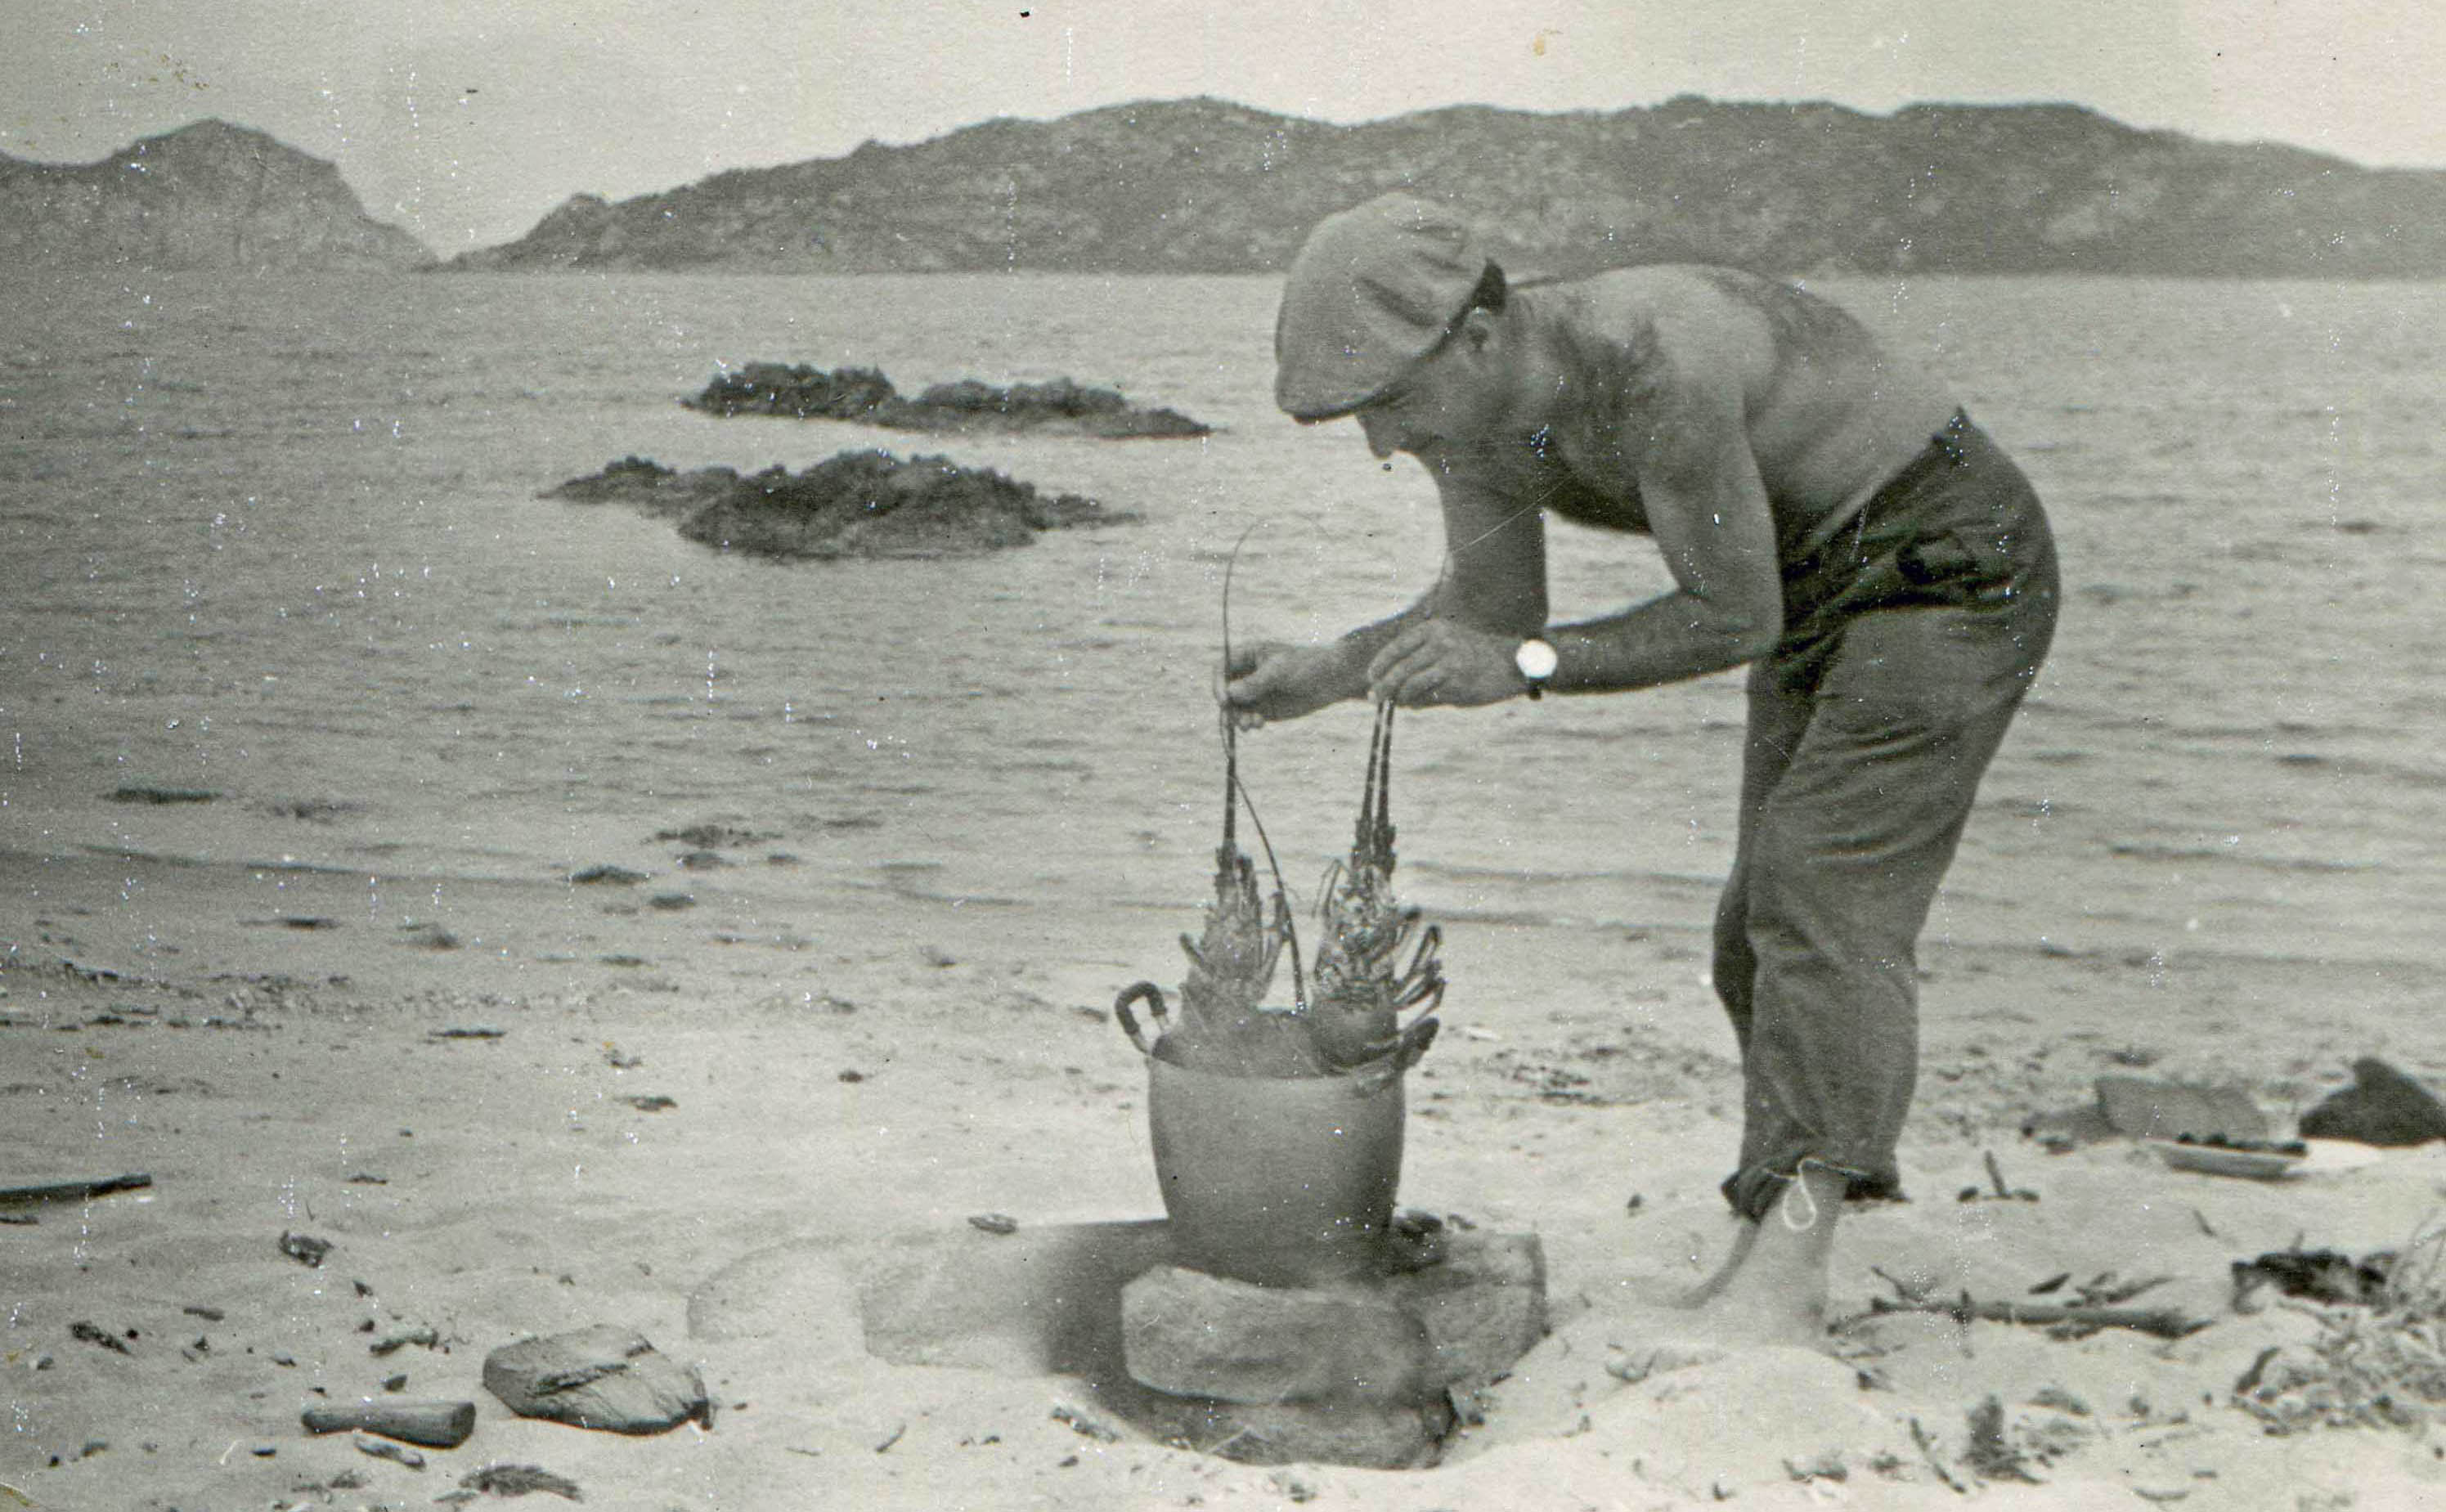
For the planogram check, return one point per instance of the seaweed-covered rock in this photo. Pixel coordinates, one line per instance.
(644, 483)
(800, 393)
(860, 503)
(863, 394)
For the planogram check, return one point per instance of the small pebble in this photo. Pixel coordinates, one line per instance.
(385, 1449)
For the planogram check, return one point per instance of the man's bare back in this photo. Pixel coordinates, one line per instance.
(1830, 413)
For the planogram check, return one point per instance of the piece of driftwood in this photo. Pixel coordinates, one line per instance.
(2163, 1322)
(73, 1191)
(436, 1424)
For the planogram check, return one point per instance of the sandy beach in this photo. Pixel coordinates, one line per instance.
(491, 1164)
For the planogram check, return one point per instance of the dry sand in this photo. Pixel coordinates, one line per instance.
(951, 1062)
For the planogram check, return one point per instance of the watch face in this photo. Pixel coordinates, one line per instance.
(1535, 660)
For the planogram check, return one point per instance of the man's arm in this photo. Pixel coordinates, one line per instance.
(1494, 556)
(1494, 582)
(1707, 510)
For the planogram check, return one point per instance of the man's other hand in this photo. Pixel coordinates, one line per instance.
(1272, 680)
(1441, 661)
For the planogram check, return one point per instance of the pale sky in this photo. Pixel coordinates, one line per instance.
(465, 121)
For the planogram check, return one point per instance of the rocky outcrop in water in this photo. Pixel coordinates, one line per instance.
(865, 395)
(860, 503)
(205, 196)
(1206, 186)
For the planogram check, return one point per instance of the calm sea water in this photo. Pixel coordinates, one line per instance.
(280, 540)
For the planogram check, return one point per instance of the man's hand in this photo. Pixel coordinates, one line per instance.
(1272, 680)
(1441, 661)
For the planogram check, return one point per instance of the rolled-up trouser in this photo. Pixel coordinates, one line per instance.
(1908, 643)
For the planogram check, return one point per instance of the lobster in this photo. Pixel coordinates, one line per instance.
(1361, 992)
(1225, 1026)
(1351, 1026)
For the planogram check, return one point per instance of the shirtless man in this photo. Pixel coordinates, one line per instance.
(1831, 518)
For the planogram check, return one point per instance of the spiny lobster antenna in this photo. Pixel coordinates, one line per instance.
(1375, 830)
(1384, 779)
(1232, 791)
(1375, 758)
(1236, 792)
(1282, 890)
(1230, 781)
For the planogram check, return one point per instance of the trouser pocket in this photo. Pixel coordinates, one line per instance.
(1938, 559)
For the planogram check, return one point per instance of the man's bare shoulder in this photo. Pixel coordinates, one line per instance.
(1680, 315)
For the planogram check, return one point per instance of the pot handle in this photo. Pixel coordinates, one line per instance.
(1153, 997)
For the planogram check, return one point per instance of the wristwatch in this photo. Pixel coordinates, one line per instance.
(1536, 661)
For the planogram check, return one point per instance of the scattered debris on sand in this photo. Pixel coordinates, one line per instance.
(153, 793)
(2318, 1276)
(75, 1191)
(94, 1333)
(860, 503)
(516, 1480)
(2375, 1360)
(864, 395)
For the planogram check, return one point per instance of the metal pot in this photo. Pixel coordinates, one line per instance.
(1278, 1180)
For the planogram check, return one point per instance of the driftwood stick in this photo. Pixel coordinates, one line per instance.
(1935, 1462)
(2164, 1322)
(75, 1191)
(435, 1425)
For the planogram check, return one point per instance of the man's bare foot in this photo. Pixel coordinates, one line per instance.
(1701, 1295)
(1777, 1288)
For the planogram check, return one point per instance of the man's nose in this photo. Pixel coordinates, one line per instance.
(1381, 434)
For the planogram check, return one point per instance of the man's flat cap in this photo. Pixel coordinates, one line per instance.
(1374, 289)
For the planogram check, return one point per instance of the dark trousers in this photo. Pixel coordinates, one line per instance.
(1908, 643)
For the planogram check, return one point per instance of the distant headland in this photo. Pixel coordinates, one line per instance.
(1205, 186)
(209, 195)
